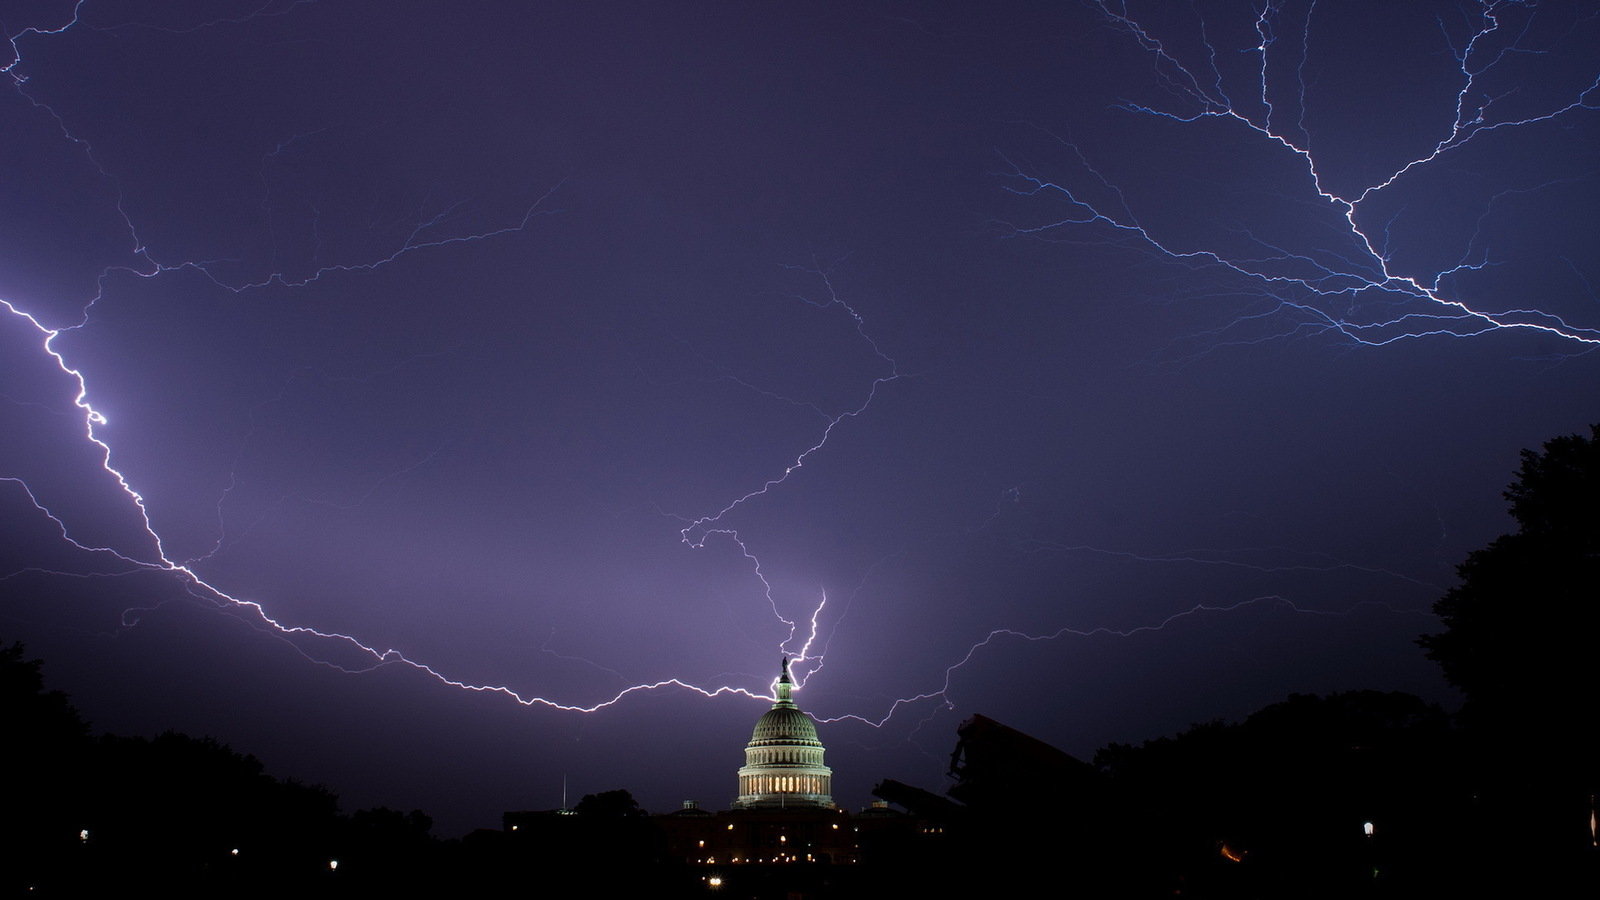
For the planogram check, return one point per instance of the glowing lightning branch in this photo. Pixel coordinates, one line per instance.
(1318, 291)
(1316, 288)
(156, 559)
(698, 531)
(424, 236)
(694, 534)
(204, 590)
(998, 634)
(1328, 278)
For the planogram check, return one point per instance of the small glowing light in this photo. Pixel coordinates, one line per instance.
(715, 881)
(730, 827)
(333, 864)
(702, 843)
(83, 835)
(783, 838)
(515, 827)
(1366, 828)
(234, 852)
(836, 826)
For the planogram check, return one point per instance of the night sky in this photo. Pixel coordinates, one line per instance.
(1033, 352)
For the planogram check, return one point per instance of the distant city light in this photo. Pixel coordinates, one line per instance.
(333, 865)
(1366, 828)
(83, 835)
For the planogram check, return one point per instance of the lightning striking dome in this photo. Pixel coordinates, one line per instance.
(783, 761)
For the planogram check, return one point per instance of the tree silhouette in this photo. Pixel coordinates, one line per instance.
(1520, 628)
(608, 804)
(1274, 805)
(26, 703)
(1520, 640)
(85, 816)
(45, 752)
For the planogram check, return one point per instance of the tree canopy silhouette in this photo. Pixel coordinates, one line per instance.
(86, 815)
(1521, 627)
(608, 804)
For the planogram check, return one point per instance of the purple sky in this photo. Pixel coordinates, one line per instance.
(463, 334)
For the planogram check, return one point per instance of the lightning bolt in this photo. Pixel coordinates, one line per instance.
(1352, 287)
(428, 234)
(1359, 293)
(1298, 281)
(942, 692)
(697, 531)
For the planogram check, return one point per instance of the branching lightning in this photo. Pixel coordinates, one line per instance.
(1365, 296)
(424, 236)
(1313, 287)
(999, 634)
(1317, 291)
(697, 531)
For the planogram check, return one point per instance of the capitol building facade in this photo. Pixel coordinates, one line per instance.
(783, 765)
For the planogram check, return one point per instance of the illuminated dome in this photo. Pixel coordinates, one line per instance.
(783, 761)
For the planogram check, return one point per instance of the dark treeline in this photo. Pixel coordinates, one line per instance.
(1290, 792)
(1354, 794)
(85, 815)
(1275, 805)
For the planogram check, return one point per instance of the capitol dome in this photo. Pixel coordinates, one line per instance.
(783, 761)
